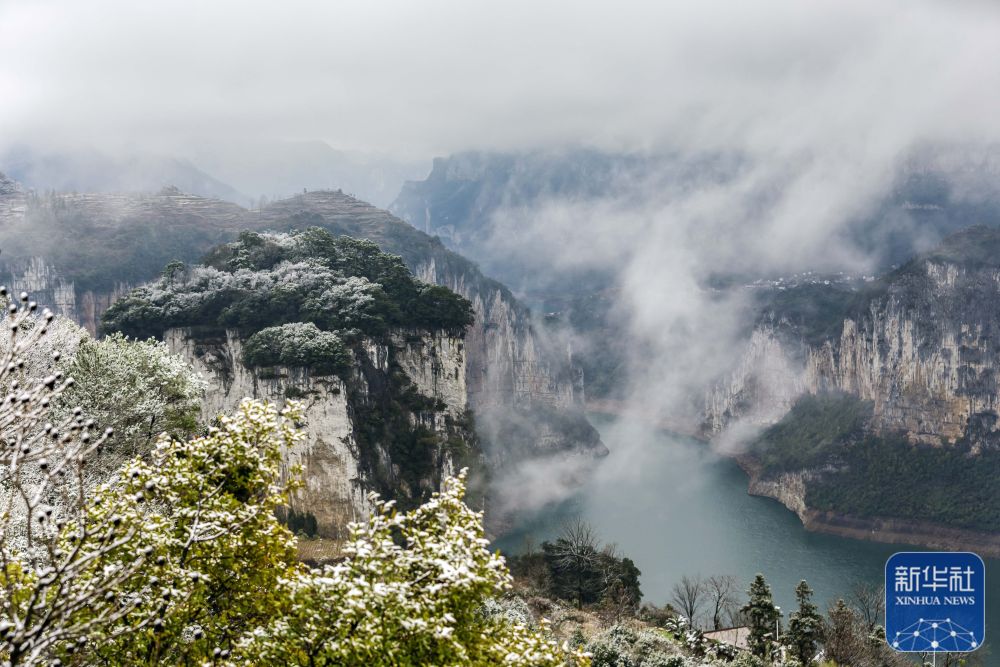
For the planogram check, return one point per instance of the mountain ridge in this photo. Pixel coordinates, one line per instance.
(62, 247)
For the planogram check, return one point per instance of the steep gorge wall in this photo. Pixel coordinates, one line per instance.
(336, 463)
(925, 355)
(525, 390)
(922, 348)
(46, 285)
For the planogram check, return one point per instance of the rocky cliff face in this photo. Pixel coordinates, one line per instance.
(923, 346)
(514, 372)
(12, 199)
(47, 285)
(485, 206)
(339, 465)
(920, 348)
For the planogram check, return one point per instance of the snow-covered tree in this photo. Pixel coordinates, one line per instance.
(138, 388)
(297, 344)
(409, 592)
(805, 626)
(356, 303)
(43, 499)
(762, 616)
(202, 514)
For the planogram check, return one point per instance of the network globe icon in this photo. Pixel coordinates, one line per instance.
(930, 635)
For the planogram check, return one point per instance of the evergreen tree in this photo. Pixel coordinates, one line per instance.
(762, 616)
(805, 626)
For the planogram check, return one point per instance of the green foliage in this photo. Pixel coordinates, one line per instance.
(266, 280)
(201, 571)
(817, 427)
(201, 516)
(575, 570)
(748, 660)
(805, 626)
(815, 312)
(409, 592)
(841, 645)
(384, 424)
(297, 344)
(138, 388)
(889, 477)
(875, 476)
(582, 572)
(762, 617)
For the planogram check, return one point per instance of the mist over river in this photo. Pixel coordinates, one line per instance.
(676, 508)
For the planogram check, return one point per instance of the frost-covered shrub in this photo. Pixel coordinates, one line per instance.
(747, 659)
(298, 344)
(509, 609)
(622, 646)
(658, 659)
(409, 592)
(179, 558)
(356, 303)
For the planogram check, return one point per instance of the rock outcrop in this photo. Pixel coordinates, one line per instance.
(339, 466)
(923, 346)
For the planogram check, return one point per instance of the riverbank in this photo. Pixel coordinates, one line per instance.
(790, 490)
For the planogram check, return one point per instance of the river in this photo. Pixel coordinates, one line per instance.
(676, 508)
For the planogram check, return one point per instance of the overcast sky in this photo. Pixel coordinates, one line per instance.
(428, 78)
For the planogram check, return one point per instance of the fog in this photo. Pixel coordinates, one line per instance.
(431, 78)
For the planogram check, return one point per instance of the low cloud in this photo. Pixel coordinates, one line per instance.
(774, 77)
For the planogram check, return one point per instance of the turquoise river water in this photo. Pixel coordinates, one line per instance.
(677, 508)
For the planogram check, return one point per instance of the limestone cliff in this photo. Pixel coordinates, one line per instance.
(919, 354)
(340, 465)
(513, 369)
(923, 346)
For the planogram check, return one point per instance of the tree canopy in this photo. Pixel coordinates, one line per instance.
(265, 280)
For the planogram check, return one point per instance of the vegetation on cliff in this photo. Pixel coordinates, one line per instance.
(890, 477)
(178, 557)
(268, 280)
(813, 432)
(297, 344)
(855, 472)
(577, 568)
(138, 388)
(311, 300)
(815, 311)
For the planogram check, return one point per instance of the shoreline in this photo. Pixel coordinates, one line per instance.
(789, 490)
